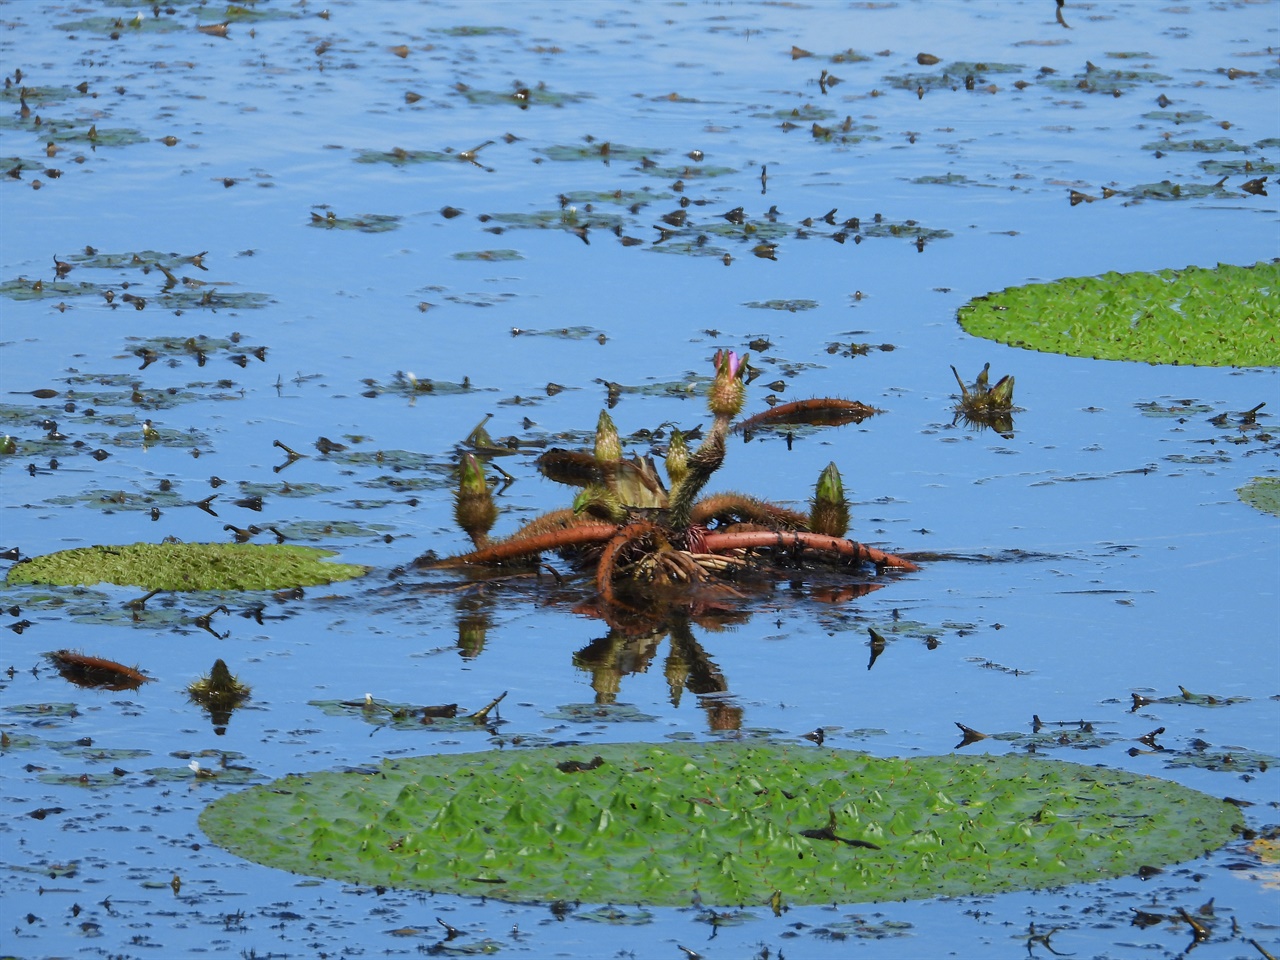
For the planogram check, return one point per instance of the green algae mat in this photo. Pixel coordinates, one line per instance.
(737, 823)
(1224, 316)
(187, 566)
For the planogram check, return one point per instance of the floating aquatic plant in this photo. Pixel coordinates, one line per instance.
(87, 671)
(1221, 316)
(187, 566)
(219, 692)
(731, 823)
(1262, 493)
(983, 404)
(646, 542)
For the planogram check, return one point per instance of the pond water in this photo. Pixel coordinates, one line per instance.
(299, 178)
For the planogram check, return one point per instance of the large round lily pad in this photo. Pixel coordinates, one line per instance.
(188, 566)
(1225, 316)
(738, 823)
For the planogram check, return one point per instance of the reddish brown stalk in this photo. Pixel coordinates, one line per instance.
(609, 558)
(817, 411)
(797, 539)
(526, 545)
(86, 671)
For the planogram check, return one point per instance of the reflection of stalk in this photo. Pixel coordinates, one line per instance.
(703, 675)
(798, 539)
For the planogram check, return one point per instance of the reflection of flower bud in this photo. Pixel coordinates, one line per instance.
(608, 443)
(677, 458)
(829, 512)
(727, 390)
(473, 507)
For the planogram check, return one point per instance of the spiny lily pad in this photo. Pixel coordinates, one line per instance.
(1221, 316)
(187, 566)
(1263, 493)
(736, 823)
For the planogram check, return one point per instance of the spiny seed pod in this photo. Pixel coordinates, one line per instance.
(829, 510)
(677, 458)
(608, 443)
(728, 392)
(473, 507)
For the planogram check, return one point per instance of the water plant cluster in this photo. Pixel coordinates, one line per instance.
(648, 543)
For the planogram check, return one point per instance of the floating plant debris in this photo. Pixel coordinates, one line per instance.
(87, 671)
(187, 566)
(1221, 316)
(739, 823)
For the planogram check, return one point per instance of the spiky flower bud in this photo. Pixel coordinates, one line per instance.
(599, 501)
(728, 391)
(1001, 394)
(829, 510)
(473, 507)
(677, 458)
(608, 443)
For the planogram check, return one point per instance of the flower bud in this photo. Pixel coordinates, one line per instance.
(829, 511)
(608, 443)
(473, 507)
(677, 458)
(728, 392)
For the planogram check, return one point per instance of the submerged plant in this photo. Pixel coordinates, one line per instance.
(646, 541)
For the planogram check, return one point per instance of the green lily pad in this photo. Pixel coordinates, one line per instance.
(1262, 493)
(491, 256)
(791, 306)
(400, 157)
(187, 566)
(605, 150)
(368, 223)
(95, 137)
(1205, 145)
(469, 31)
(123, 25)
(522, 97)
(1221, 316)
(737, 823)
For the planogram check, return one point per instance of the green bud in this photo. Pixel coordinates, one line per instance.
(473, 506)
(829, 511)
(608, 443)
(677, 458)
